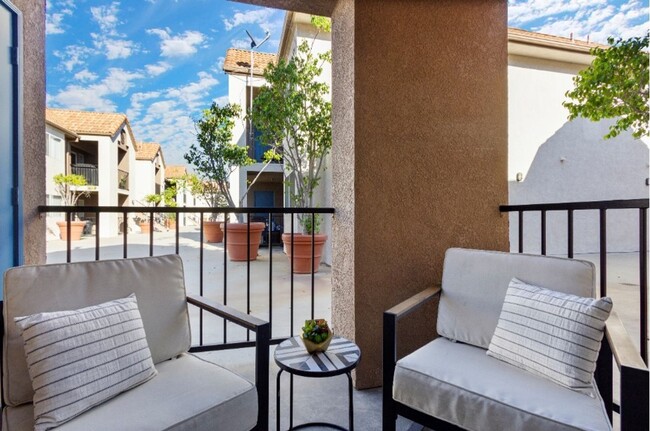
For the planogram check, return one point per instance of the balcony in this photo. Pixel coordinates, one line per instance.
(268, 289)
(86, 170)
(122, 180)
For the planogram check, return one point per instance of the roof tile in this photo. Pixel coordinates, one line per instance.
(239, 61)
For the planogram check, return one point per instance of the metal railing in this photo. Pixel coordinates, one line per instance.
(88, 171)
(202, 211)
(602, 207)
(122, 179)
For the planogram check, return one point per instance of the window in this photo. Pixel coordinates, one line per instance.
(55, 147)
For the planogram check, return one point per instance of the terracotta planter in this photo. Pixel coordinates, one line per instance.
(76, 229)
(236, 240)
(302, 251)
(144, 227)
(212, 231)
(171, 224)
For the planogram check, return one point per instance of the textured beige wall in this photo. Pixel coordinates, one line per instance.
(419, 157)
(33, 45)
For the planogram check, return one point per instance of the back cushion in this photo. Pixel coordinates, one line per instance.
(474, 285)
(157, 282)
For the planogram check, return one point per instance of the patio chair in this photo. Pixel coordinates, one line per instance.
(450, 383)
(187, 393)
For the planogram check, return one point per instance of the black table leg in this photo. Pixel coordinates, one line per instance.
(290, 401)
(277, 402)
(351, 406)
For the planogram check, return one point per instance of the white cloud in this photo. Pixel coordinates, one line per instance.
(221, 100)
(95, 96)
(181, 45)
(241, 43)
(54, 20)
(106, 17)
(136, 103)
(85, 76)
(593, 19)
(72, 56)
(193, 93)
(256, 16)
(157, 68)
(53, 23)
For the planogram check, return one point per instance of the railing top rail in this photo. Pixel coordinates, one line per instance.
(588, 205)
(174, 210)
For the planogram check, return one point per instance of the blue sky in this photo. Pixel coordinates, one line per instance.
(159, 61)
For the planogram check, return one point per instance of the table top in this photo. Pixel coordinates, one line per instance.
(341, 356)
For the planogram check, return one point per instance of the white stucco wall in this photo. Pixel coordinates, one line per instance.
(564, 161)
(54, 159)
(143, 176)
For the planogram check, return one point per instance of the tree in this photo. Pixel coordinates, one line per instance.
(295, 120)
(216, 156)
(615, 85)
(67, 186)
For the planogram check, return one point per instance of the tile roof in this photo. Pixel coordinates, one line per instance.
(175, 171)
(87, 123)
(147, 150)
(517, 34)
(238, 61)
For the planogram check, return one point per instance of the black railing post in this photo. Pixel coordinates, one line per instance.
(68, 239)
(126, 232)
(543, 233)
(270, 240)
(201, 278)
(569, 216)
(520, 227)
(97, 216)
(603, 252)
(151, 229)
(225, 271)
(248, 271)
(291, 283)
(643, 280)
(313, 260)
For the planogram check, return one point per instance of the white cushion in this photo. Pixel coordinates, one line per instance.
(80, 358)
(552, 334)
(30, 289)
(187, 394)
(474, 284)
(460, 384)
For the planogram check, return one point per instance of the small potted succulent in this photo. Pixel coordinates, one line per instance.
(316, 335)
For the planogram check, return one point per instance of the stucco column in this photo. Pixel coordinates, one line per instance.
(419, 154)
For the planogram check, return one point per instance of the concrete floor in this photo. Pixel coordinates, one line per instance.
(315, 399)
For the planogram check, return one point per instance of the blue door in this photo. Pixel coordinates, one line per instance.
(10, 242)
(260, 148)
(263, 199)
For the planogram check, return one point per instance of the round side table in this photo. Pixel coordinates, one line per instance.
(341, 357)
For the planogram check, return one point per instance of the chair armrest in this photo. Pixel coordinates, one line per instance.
(391, 317)
(228, 313)
(262, 331)
(634, 396)
(413, 303)
(623, 348)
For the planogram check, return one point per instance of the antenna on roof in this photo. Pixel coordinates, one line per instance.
(254, 45)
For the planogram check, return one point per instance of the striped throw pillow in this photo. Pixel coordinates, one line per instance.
(81, 358)
(552, 334)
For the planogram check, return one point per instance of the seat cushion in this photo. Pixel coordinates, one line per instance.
(187, 394)
(460, 384)
(474, 284)
(158, 282)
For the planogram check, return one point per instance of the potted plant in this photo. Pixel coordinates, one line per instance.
(68, 187)
(215, 158)
(294, 118)
(211, 193)
(316, 335)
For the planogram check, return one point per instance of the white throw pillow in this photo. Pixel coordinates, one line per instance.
(78, 359)
(552, 334)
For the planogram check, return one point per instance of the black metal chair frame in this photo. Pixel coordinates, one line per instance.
(617, 345)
